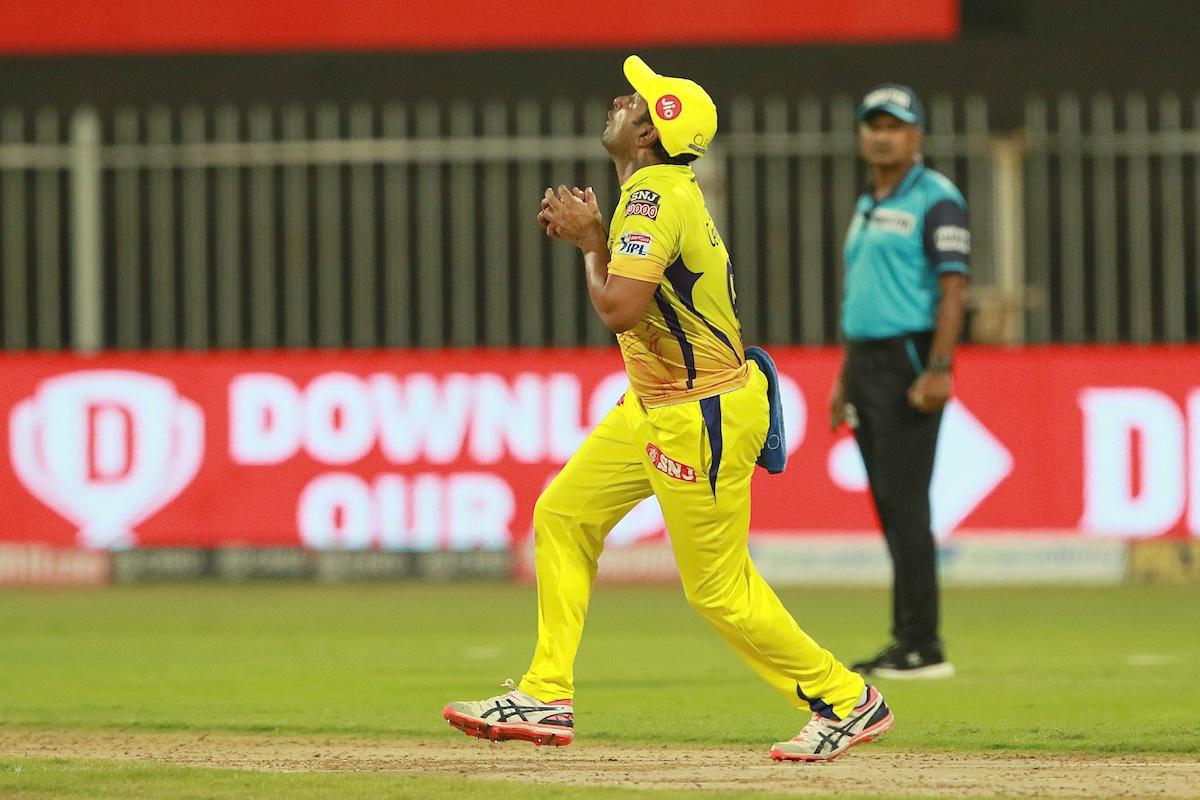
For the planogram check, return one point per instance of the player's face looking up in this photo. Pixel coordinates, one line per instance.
(629, 126)
(885, 141)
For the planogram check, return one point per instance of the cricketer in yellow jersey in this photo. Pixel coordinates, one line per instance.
(689, 431)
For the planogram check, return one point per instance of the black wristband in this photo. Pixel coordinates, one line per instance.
(939, 364)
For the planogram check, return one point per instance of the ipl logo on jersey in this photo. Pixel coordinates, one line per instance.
(635, 244)
(106, 449)
(669, 466)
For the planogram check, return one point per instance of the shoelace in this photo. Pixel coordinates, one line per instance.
(814, 720)
(511, 686)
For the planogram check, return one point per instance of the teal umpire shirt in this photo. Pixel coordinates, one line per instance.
(895, 250)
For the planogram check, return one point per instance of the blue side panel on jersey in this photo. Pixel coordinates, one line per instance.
(683, 281)
(685, 347)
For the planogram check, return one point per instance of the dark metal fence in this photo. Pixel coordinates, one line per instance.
(369, 226)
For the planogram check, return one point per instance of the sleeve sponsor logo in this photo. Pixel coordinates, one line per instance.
(635, 244)
(890, 220)
(643, 203)
(669, 466)
(952, 239)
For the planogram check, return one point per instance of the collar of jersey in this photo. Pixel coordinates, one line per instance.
(901, 188)
(644, 171)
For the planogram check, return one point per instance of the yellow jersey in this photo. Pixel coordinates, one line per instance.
(688, 343)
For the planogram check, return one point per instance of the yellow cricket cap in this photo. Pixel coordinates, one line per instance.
(683, 113)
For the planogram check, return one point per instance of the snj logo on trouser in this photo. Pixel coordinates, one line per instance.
(669, 466)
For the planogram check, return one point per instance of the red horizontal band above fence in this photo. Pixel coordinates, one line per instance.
(430, 450)
(163, 26)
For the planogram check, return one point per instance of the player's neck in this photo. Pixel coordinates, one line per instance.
(885, 178)
(627, 166)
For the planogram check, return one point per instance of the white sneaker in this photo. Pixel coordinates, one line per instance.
(824, 739)
(514, 715)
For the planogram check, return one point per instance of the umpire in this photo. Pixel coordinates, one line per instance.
(905, 289)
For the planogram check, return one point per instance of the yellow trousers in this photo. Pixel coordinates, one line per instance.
(697, 458)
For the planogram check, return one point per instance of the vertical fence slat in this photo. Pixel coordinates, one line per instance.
(743, 238)
(49, 263)
(14, 218)
(297, 330)
(939, 144)
(397, 238)
(1194, 322)
(161, 219)
(567, 295)
(262, 228)
(1037, 220)
(127, 236)
(365, 303)
(431, 269)
(1174, 287)
(464, 265)
(1106, 296)
(780, 309)
(1139, 260)
(845, 189)
(87, 228)
(1008, 237)
(330, 298)
(979, 185)
(497, 264)
(531, 323)
(1073, 303)
(194, 234)
(810, 218)
(227, 286)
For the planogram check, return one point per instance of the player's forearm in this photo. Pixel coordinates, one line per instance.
(948, 324)
(595, 267)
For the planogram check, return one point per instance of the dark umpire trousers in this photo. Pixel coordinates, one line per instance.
(898, 444)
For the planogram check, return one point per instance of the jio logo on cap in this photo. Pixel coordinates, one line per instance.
(668, 106)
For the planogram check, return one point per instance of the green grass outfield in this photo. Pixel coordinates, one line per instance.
(1106, 671)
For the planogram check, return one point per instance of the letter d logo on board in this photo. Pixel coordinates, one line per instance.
(106, 449)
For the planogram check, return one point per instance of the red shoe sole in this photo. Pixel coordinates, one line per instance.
(869, 735)
(538, 734)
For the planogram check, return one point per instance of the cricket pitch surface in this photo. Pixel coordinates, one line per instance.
(864, 770)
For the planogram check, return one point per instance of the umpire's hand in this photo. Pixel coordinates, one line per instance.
(837, 404)
(930, 391)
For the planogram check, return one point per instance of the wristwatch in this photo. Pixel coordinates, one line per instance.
(939, 364)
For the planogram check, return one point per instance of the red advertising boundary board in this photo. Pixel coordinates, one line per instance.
(429, 450)
(159, 26)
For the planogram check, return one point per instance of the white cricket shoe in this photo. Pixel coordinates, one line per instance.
(824, 739)
(514, 715)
